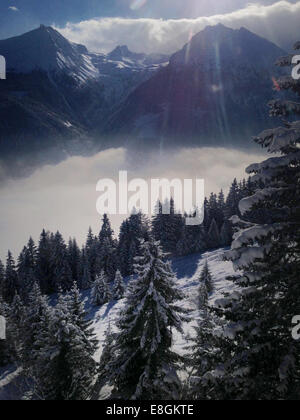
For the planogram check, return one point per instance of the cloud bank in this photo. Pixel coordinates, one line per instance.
(63, 197)
(278, 23)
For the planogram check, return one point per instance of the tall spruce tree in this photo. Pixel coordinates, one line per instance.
(119, 286)
(27, 269)
(62, 274)
(206, 278)
(104, 368)
(101, 293)
(107, 251)
(44, 270)
(2, 278)
(213, 239)
(132, 230)
(11, 281)
(203, 348)
(266, 362)
(64, 357)
(144, 366)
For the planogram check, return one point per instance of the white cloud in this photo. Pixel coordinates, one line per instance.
(278, 23)
(63, 197)
(14, 8)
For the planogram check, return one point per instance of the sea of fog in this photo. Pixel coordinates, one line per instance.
(63, 197)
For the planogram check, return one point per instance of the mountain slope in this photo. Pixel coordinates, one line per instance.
(57, 92)
(213, 91)
(46, 49)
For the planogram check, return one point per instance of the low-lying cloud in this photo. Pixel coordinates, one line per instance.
(63, 197)
(278, 22)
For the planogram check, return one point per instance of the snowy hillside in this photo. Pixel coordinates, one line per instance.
(188, 271)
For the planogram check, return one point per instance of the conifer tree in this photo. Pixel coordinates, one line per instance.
(2, 279)
(64, 358)
(34, 314)
(132, 231)
(85, 279)
(91, 250)
(226, 233)
(144, 366)
(119, 286)
(74, 260)
(101, 293)
(203, 351)
(213, 240)
(44, 270)
(206, 278)
(62, 274)
(104, 368)
(27, 265)
(4, 349)
(11, 281)
(16, 315)
(107, 252)
(266, 356)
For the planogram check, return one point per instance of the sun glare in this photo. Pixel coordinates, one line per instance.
(137, 4)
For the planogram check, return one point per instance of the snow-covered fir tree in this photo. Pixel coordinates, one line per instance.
(213, 239)
(206, 278)
(144, 366)
(119, 286)
(27, 269)
(15, 329)
(4, 348)
(62, 274)
(85, 277)
(202, 349)
(91, 251)
(107, 251)
(226, 233)
(167, 226)
(74, 260)
(64, 358)
(101, 292)
(2, 278)
(11, 282)
(104, 368)
(266, 362)
(34, 314)
(132, 230)
(44, 269)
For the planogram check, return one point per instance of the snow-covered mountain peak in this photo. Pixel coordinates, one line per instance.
(122, 51)
(219, 45)
(46, 49)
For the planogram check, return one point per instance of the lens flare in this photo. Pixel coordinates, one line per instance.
(137, 4)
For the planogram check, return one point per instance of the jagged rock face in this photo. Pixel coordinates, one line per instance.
(213, 92)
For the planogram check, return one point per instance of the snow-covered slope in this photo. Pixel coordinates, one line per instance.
(188, 271)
